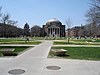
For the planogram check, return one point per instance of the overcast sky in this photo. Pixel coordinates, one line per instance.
(38, 12)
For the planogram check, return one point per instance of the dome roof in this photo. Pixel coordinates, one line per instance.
(53, 20)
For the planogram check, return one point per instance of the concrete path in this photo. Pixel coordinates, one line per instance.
(77, 45)
(40, 51)
(72, 67)
(32, 61)
(35, 62)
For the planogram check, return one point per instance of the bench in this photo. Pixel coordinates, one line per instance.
(59, 52)
(7, 50)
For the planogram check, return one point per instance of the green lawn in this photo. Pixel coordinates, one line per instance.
(75, 43)
(86, 40)
(86, 53)
(61, 43)
(18, 49)
(98, 40)
(79, 42)
(49, 38)
(17, 41)
(21, 42)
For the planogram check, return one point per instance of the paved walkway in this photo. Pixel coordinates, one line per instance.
(40, 51)
(77, 45)
(35, 61)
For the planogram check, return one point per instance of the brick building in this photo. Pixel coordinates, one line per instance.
(54, 28)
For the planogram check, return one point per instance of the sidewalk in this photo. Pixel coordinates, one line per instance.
(35, 62)
(40, 51)
(76, 45)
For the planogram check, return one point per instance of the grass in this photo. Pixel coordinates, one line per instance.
(21, 42)
(82, 40)
(61, 43)
(18, 49)
(98, 40)
(86, 40)
(75, 43)
(86, 53)
(17, 41)
(49, 38)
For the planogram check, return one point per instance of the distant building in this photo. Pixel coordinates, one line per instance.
(54, 28)
(73, 32)
(77, 31)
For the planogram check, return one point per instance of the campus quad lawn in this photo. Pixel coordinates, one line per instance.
(65, 43)
(74, 42)
(17, 41)
(18, 49)
(86, 40)
(61, 43)
(86, 53)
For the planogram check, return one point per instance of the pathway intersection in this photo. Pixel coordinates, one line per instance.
(35, 62)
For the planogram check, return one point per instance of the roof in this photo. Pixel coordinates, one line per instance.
(53, 20)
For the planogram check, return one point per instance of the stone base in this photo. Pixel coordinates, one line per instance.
(59, 52)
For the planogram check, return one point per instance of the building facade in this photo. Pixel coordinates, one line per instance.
(54, 28)
(77, 31)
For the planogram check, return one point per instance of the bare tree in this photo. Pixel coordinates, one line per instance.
(93, 16)
(12, 22)
(36, 31)
(5, 18)
(0, 11)
(69, 24)
(7, 27)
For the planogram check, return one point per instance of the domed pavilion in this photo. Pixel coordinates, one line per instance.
(54, 28)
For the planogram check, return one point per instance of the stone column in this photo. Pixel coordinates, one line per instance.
(59, 32)
(54, 31)
(48, 31)
(51, 31)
